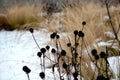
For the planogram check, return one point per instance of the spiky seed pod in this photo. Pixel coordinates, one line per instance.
(84, 23)
(53, 50)
(52, 36)
(26, 69)
(69, 44)
(63, 53)
(64, 65)
(42, 75)
(39, 54)
(47, 47)
(81, 34)
(57, 36)
(102, 54)
(43, 50)
(31, 30)
(94, 52)
(76, 32)
(96, 57)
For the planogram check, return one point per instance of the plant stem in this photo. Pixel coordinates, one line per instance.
(108, 12)
(35, 41)
(28, 76)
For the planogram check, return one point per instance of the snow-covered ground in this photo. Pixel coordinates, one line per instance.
(17, 49)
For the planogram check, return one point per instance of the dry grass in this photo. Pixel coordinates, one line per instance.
(72, 19)
(17, 16)
(93, 14)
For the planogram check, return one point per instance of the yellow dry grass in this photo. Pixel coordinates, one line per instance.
(17, 16)
(93, 14)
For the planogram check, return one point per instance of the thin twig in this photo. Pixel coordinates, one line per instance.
(35, 41)
(28, 76)
(81, 58)
(108, 12)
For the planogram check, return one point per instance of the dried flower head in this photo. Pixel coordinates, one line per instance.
(31, 30)
(26, 69)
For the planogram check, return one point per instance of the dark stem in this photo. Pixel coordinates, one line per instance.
(81, 59)
(58, 57)
(35, 41)
(74, 56)
(28, 76)
(44, 63)
(41, 64)
(106, 62)
(50, 59)
(108, 12)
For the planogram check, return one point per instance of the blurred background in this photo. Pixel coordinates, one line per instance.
(7, 3)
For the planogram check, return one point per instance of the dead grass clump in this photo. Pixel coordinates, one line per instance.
(115, 17)
(91, 13)
(95, 17)
(21, 15)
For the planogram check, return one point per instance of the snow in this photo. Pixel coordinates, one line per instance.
(18, 49)
(109, 34)
(115, 65)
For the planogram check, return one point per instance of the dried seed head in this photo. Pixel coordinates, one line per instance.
(76, 32)
(68, 44)
(43, 50)
(102, 54)
(81, 34)
(39, 54)
(52, 36)
(47, 47)
(96, 57)
(53, 50)
(64, 65)
(26, 69)
(94, 52)
(63, 53)
(42, 75)
(31, 30)
(57, 36)
(84, 23)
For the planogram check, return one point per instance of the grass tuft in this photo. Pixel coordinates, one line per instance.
(18, 16)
